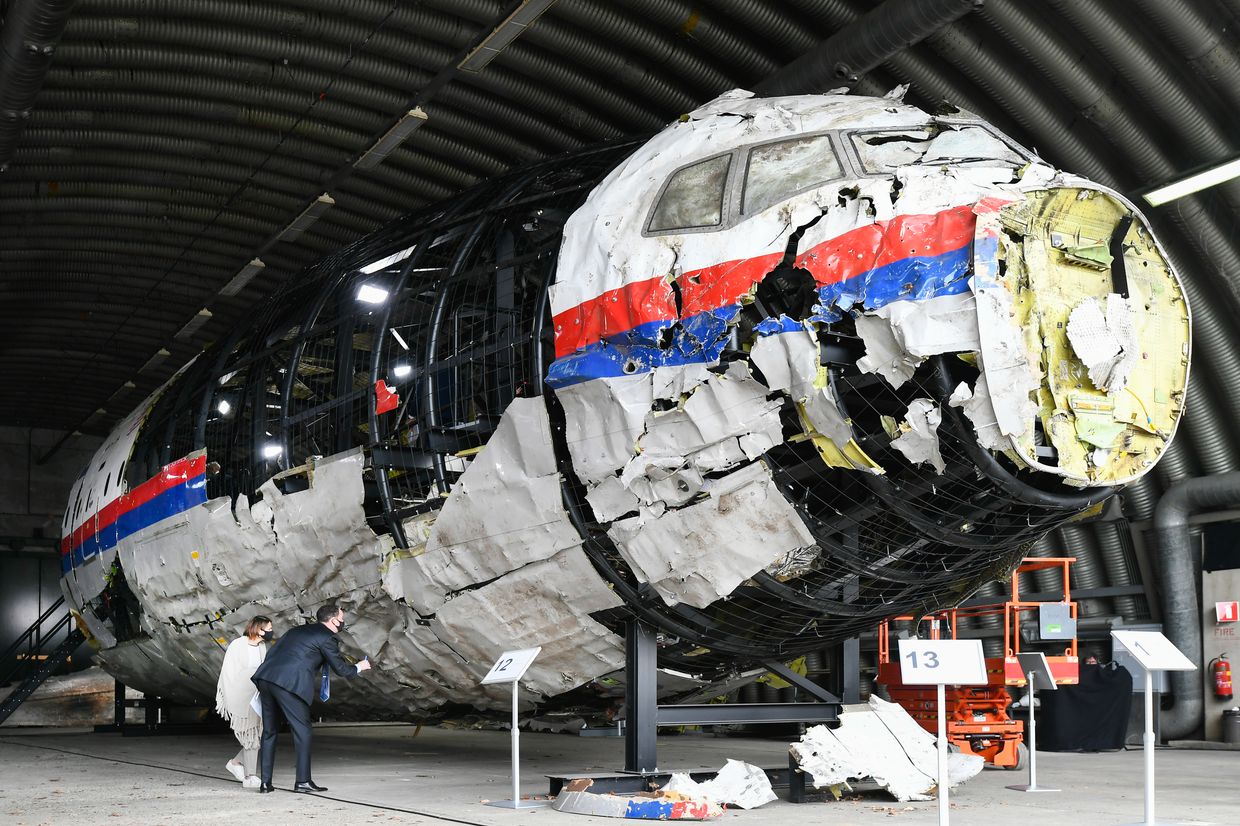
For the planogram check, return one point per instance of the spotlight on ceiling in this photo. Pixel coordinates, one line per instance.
(391, 139)
(371, 294)
(1194, 182)
(272, 450)
(224, 407)
(308, 216)
(243, 277)
(399, 339)
(512, 28)
(401, 370)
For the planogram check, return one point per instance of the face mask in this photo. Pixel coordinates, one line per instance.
(269, 635)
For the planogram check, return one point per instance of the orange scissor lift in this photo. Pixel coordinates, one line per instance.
(978, 721)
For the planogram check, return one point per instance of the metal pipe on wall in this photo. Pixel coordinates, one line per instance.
(1175, 553)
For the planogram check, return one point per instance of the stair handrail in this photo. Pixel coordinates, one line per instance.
(26, 636)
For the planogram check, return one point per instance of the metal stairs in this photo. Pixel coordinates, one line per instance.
(30, 647)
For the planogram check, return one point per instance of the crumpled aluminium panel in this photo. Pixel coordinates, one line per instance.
(504, 512)
(880, 741)
(212, 568)
(701, 552)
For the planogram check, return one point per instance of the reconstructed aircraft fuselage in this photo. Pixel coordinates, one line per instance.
(789, 367)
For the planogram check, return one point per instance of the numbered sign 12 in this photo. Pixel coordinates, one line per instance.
(511, 666)
(946, 662)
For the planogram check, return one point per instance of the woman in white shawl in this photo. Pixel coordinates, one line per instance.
(234, 697)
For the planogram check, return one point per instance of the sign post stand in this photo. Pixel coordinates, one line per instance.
(941, 663)
(510, 668)
(1154, 652)
(1038, 676)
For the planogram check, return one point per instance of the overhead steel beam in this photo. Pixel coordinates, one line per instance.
(863, 45)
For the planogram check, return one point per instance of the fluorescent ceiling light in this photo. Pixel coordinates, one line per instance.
(159, 356)
(512, 28)
(391, 139)
(271, 451)
(193, 325)
(371, 294)
(243, 277)
(308, 216)
(399, 340)
(384, 263)
(401, 370)
(1195, 182)
(224, 407)
(120, 391)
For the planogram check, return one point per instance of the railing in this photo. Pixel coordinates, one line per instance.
(33, 640)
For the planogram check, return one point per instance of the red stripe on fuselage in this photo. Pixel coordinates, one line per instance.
(848, 255)
(883, 243)
(174, 474)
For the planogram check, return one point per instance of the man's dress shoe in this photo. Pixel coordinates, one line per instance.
(309, 786)
(265, 787)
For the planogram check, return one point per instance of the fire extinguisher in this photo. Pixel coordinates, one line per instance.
(1222, 677)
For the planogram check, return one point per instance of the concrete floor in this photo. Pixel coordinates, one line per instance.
(384, 774)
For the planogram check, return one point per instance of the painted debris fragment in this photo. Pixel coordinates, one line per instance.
(658, 805)
(737, 784)
(879, 741)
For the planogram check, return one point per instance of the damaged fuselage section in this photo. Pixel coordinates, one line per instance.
(809, 362)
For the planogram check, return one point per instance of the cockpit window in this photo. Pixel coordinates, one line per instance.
(693, 197)
(885, 151)
(969, 143)
(777, 170)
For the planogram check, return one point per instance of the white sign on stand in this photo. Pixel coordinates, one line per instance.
(1038, 677)
(940, 663)
(509, 668)
(1155, 653)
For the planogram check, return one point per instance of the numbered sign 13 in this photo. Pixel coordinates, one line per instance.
(946, 662)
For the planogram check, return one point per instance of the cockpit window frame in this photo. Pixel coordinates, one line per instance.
(841, 158)
(727, 215)
(847, 137)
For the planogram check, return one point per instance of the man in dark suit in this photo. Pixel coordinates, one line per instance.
(294, 672)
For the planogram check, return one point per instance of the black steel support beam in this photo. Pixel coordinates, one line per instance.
(1056, 596)
(850, 669)
(808, 686)
(714, 714)
(641, 711)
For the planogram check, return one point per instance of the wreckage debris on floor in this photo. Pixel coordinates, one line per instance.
(657, 805)
(880, 741)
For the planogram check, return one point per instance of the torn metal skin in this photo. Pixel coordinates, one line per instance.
(879, 741)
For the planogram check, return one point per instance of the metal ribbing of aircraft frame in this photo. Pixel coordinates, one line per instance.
(167, 145)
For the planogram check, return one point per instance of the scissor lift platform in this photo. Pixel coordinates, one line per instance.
(978, 721)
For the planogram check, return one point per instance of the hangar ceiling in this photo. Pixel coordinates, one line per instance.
(170, 143)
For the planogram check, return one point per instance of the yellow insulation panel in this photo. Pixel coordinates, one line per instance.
(1056, 259)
